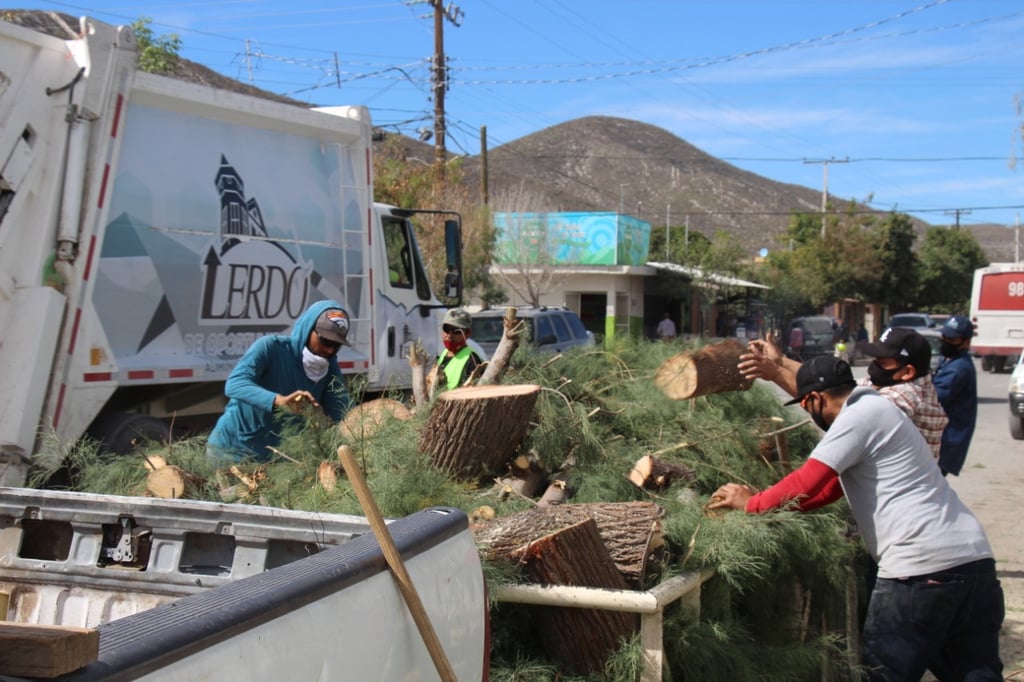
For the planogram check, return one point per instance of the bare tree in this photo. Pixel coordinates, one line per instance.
(524, 255)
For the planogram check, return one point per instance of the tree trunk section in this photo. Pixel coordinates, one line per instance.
(474, 431)
(711, 369)
(418, 366)
(581, 638)
(631, 532)
(525, 478)
(169, 482)
(650, 473)
(365, 419)
(502, 357)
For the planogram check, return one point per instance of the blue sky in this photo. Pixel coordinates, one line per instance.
(915, 100)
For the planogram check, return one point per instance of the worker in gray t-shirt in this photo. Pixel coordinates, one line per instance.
(937, 604)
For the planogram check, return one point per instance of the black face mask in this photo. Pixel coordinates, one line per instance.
(880, 376)
(948, 349)
(816, 415)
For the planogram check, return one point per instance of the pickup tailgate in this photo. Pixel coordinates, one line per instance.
(335, 613)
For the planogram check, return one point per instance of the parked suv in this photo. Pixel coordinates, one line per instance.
(916, 321)
(553, 329)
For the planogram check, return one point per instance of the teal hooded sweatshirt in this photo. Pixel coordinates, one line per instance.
(271, 366)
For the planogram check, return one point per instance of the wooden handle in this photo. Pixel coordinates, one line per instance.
(395, 563)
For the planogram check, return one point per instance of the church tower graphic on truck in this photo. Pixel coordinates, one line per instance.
(252, 279)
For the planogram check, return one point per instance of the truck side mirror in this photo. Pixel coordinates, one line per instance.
(453, 254)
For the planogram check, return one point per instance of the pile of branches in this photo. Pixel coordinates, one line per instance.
(601, 434)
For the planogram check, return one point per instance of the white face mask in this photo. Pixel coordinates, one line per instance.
(315, 366)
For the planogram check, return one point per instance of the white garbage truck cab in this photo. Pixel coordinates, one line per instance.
(152, 229)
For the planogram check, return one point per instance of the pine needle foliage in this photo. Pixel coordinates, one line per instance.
(769, 613)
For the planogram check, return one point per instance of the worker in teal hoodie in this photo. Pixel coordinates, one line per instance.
(282, 373)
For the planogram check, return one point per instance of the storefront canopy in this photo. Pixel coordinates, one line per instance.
(700, 277)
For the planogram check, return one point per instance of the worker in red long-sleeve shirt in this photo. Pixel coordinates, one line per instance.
(932, 552)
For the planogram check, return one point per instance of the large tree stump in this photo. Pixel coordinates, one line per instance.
(711, 369)
(474, 431)
(631, 531)
(581, 639)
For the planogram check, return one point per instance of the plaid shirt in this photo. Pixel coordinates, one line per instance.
(920, 402)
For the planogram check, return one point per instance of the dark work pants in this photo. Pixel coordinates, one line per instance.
(947, 622)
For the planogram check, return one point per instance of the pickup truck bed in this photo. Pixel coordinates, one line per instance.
(185, 590)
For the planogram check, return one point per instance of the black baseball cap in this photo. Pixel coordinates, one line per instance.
(906, 345)
(822, 373)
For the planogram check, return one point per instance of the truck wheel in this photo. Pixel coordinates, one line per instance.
(1016, 427)
(121, 432)
(986, 363)
(998, 364)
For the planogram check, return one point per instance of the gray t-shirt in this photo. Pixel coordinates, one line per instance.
(911, 520)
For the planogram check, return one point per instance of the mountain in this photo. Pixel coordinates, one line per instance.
(601, 163)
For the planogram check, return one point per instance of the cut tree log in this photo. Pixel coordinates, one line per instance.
(630, 530)
(651, 473)
(418, 365)
(559, 490)
(502, 356)
(170, 482)
(710, 369)
(525, 478)
(474, 431)
(29, 650)
(365, 419)
(327, 475)
(581, 639)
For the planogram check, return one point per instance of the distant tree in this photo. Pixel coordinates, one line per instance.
(408, 182)
(948, 258)
(157, 54)
(813, 272)
(523, 250)
(897, 263)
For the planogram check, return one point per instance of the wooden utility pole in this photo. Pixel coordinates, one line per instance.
(483, 165)
(824, 190)
(957, 212)
(453, 14)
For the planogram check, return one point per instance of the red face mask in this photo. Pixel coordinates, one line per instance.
(455, 343)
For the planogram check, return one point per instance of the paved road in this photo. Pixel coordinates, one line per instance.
(992, 484)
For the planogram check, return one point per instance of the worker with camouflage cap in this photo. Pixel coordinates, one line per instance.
(458, 361)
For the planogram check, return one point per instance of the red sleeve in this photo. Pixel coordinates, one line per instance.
(813, 485)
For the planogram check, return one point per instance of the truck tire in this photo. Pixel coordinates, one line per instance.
(1016, 427)
(121, 432)
(998, 364)
(986, 363)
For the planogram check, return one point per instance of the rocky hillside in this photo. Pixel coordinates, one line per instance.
(582, 165)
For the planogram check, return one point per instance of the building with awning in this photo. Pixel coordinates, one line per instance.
(596, 264)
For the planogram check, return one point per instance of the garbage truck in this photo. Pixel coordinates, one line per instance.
(151, 229)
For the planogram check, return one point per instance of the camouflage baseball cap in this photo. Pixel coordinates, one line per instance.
(458, 318)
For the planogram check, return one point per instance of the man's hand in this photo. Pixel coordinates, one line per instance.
(296, 402)
(761, 361)
(732, 496)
